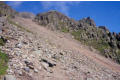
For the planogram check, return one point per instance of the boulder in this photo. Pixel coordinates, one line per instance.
(45, 65)
(29, 64)
(35, 70)
(27, 69)
(50, 64)
(19, 45)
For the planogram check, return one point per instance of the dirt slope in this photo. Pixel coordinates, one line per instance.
(80, 62)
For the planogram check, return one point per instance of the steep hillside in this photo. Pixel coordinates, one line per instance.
(31, 51)
(57, 56)
(4, 11)
(86, 31)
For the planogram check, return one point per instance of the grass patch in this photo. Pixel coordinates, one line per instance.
(65, 30)
(100, 45)
(3, 63)
(118, 56)
(2, 42)
(77, 34)
(3, 59)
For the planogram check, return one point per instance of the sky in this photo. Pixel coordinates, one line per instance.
(104, 13)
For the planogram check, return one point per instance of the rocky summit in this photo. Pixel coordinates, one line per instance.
(52, 46)
(55, 20)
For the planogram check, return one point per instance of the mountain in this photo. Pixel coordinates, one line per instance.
(84, 30)
(44, 47)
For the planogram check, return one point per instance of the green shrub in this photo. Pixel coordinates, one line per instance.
(63, 29)
(3, 59)
(100, 45)
(3, 63)
(76, 34)
(2, 42)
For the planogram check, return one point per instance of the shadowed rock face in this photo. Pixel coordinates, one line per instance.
(56, 20)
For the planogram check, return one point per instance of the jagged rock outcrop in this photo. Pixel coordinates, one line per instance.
(55, 20)
(85, 22)
(6, 10)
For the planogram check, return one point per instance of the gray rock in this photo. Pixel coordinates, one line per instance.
(19, 45)
(9, 77)
(18, 53)
(0, 31)
(45, 65)
(8, 41)
(49, 62)
(35, 70)
(20, 72)
(29, 64)
(27, 69)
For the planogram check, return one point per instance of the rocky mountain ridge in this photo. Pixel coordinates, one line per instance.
(55, 20)
(84, 30)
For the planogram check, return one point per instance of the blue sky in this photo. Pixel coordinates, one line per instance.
(104, 13)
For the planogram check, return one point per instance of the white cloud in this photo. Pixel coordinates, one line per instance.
(15, 3)
(62, 6)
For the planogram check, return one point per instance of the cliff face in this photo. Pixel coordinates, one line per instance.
(55, 20)
(84, 30)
